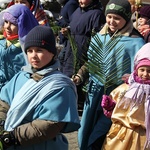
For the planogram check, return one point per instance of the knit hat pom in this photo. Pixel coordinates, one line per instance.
(41, 36)
(119, 7)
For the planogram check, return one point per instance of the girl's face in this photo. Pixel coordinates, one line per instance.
(24, 2)
(84, 3)
(144, 72)
(10, 28)
(115, 22)
(39, 57)
(143, 20)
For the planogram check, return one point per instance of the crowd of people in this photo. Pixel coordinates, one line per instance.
(41, 89)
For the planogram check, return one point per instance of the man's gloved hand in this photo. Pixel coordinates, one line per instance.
(7, 139)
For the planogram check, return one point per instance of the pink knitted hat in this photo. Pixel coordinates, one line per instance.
(142, 57)
(143, 62)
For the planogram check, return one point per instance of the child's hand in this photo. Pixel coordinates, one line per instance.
(77, 79)
(125, 77)
(64, 31)
(107, 103)
(107, 113)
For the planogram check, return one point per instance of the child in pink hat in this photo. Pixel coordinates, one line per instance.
(129, 108)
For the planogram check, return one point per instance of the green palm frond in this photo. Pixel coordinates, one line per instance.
(1, 146)
(74, 50)
(102, 62)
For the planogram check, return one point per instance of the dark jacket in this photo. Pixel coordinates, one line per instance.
(65, 16)
(83, 22)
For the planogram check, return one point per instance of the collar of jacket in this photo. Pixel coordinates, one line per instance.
(37, 77)
(126, 31)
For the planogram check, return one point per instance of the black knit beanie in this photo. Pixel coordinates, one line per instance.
(119, 7)
(41, 36)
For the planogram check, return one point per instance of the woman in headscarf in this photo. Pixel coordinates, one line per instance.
(35, 7)
(14, 29)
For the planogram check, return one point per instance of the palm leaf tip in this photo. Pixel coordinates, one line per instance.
(105, 61)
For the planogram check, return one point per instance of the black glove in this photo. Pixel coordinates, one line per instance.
(8, 139)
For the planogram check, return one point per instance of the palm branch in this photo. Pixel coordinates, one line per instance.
(101, 63)
(74, 51)
(1, 146)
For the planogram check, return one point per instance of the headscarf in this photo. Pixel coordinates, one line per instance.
(37, 10)
(23, 18)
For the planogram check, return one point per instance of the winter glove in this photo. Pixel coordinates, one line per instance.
(107, 113)
(108, 105)
(7, 139)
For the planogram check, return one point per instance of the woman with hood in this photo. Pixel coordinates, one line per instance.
(35, 7)
(14, 29)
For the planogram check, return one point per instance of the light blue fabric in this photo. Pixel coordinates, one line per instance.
(11, 61)
(93, 123)
(59, 104)
(130, 49)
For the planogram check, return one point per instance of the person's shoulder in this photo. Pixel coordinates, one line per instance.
(135, 34)
(120, 90)
(72, 2)
(147, 37)
(2, 38)
(21, 74)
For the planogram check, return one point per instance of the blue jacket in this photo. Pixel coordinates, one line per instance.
(65, 16)
(11, 61)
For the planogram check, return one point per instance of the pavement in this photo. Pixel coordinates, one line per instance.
(72, 139)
